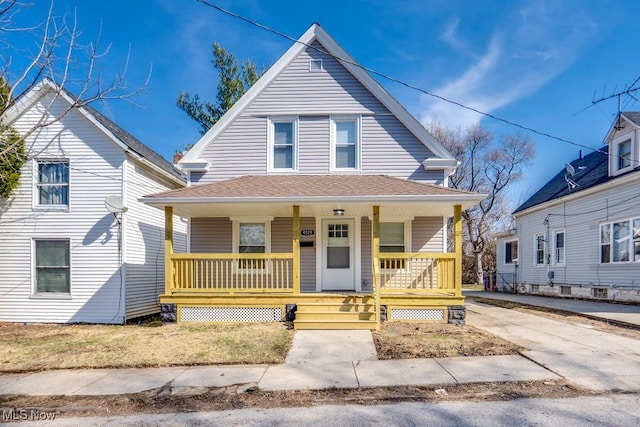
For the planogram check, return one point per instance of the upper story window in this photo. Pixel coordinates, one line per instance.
(511, 252)
(539, 249)
(283, 143)
(345, 143)
(623, 154)
(52, 183)
(620, 241)
(52, 267)
(559, 245)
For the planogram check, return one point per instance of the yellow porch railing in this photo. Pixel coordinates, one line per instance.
(419, 272)
(231, 273)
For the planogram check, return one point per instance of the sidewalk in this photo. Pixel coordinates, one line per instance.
(622, 313)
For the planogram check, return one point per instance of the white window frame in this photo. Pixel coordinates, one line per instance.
(271, 145)
(358, 142)
(406, 237)
(555, 247)
(513, 260)
(631, 240)
(34, 270)
(251, 220)
(318, 67)
(615, 158)
(37, 185)
(536, 250)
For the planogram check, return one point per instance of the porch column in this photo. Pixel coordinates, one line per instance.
(375, 283)
(168, 249)
(457, 247)
(296, 250)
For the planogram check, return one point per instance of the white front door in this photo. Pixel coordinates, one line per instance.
(338, 255)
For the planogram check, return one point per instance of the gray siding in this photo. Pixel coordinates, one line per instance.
(281, 235)
(211, 235)
(241, 149)
(427, 234)
(581, 219)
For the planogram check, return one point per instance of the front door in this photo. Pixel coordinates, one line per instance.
(338, 263)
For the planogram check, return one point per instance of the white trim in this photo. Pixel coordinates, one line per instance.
(333, 119)
(251, 220)
(123, 246)
(535, 250)
(357, 254)
(36, 206)
(34, 294)
(614, 150)
(271, 121)
(316, 33)
(564, 248)
(319, 252)
(504, 251)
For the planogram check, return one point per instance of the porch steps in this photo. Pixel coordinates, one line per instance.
(335, 315)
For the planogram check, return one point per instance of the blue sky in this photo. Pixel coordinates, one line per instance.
(535, 62)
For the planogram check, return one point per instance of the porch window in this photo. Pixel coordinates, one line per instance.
(283, 143)
(345, 142)
(539, 249)
(558, 241)
(251, 238)
(620, 241)
(511, 252)
(392, 240)
(52, 185)
(52, 267)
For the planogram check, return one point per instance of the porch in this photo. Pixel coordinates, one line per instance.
(267, 286)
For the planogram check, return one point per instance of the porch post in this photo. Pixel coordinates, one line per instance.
(376, 263)
(457, 247)
(168, 249)
(296, 250)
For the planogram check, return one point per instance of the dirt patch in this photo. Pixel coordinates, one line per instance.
(238, 397)
(397, 340)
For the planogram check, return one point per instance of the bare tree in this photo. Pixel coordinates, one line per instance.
(486, 167)
(52, 49)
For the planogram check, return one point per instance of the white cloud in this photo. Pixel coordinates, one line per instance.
(526, 52)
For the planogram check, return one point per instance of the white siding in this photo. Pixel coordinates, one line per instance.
(387, 146)
(95, 172)
(144, 241)
(580, 219)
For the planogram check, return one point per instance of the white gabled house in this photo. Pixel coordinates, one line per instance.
(579, 235)
(317, 196)
(76, 245)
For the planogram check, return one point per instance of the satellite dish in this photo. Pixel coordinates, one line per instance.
(114, 204)
(570, 169)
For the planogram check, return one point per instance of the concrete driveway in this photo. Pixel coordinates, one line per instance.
(583, 355)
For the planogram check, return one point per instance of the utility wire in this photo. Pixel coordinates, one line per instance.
(401, 82)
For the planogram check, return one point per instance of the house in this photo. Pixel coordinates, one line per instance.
(75, 243)
(579, 235)
(316, 197)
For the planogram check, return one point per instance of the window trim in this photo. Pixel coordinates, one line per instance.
(35, 294)
(36, 184)
(236, 237)
(615, 159)
(514, 261)
(358, 142)
(536, 250)
(632, 258)
(271, 121)
(555, 247)
(406, 236)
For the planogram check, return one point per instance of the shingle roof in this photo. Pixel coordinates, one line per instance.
(633, 116)
(321, 186)
(135, 145)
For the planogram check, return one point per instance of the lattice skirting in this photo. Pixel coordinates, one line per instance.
(231, 314)
(418, 314)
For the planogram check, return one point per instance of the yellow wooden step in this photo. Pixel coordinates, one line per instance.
(326, 307)
(334, 324)
(333, 315)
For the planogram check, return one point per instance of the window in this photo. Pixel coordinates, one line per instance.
(315, 65)
(600, 293)
(283, 143)
(52, 267)
(620, 241)
(565, 291)
(624, 154)
(346, 143)
(511, 252)
(539, 249)
(392, 240)
(558, 244)
(535, 289)
(52, 183)
(251, 236)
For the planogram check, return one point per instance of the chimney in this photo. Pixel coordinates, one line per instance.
(179, 155)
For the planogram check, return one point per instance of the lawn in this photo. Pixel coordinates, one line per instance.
(37, 347)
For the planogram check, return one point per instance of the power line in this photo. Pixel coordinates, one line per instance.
(403, 83)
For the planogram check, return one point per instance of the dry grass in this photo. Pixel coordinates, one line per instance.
(42, 347)
(426, 340)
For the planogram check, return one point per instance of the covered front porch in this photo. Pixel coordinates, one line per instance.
(344, 263)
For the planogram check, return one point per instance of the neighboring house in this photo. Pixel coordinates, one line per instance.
(316, 196)
(579, 235)
(75, 243)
